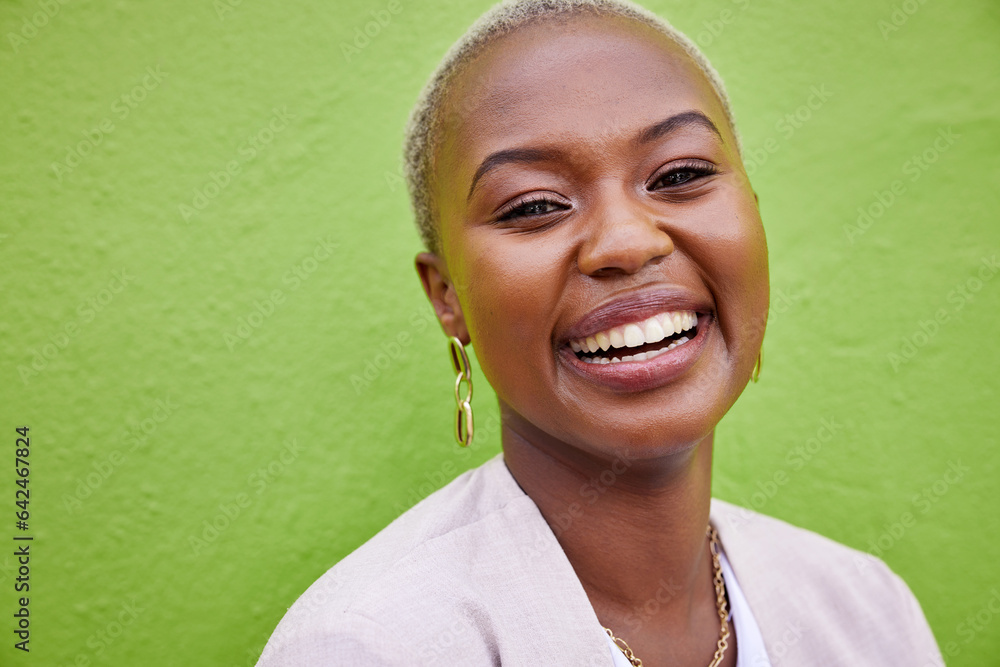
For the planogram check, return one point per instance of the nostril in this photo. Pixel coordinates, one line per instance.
(623, 267)
(606, 272)
(624, 247)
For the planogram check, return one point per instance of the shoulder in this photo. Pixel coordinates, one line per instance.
(807, 589)
(781, 542)
(428, 585)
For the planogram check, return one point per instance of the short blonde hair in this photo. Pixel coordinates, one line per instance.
(422, 131)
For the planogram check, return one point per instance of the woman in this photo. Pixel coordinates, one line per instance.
(591, 231)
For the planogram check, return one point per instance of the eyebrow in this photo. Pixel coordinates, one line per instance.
(515, 155)
(674, 123)
(648, 135)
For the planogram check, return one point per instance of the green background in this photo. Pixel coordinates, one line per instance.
(272, 424)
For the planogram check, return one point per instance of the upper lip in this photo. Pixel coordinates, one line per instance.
(635, 307)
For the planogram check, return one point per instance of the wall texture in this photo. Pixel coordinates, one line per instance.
(213, 329)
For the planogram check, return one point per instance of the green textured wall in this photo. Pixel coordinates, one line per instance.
(209, 305)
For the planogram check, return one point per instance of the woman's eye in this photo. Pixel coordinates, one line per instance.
(530, 209)
(683, 175)
(679, 177)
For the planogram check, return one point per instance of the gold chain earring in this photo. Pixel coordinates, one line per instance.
(756, 368)
(463, 409)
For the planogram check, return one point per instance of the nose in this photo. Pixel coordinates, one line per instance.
(623, 236)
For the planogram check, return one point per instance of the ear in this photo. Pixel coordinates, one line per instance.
(441, 293)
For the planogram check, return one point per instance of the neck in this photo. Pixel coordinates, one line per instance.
(633, 528)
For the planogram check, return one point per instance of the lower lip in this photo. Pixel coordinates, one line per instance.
(632, 376)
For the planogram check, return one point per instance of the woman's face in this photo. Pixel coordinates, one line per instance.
(590, 195)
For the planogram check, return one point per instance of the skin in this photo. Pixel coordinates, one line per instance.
(679, 212)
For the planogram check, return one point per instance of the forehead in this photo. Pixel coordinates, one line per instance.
(576, 78)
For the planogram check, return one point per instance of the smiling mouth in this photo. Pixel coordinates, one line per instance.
(638, 341)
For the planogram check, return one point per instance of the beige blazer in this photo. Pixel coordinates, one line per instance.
(473, 575)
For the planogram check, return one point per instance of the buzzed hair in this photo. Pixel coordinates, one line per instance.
(423, 128)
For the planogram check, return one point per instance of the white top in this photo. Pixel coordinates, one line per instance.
(751, 645)
(474, 575)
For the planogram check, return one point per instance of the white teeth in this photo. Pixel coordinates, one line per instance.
(640, 356)
(633, 335)
(616, 337)
(653, 331)
(667, 324)
(650, 330)
(656, 353)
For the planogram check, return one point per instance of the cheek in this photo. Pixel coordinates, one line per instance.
(733, 251)
(512, 292)
(752, 272)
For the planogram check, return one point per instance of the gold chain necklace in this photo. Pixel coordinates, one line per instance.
(720, 605)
